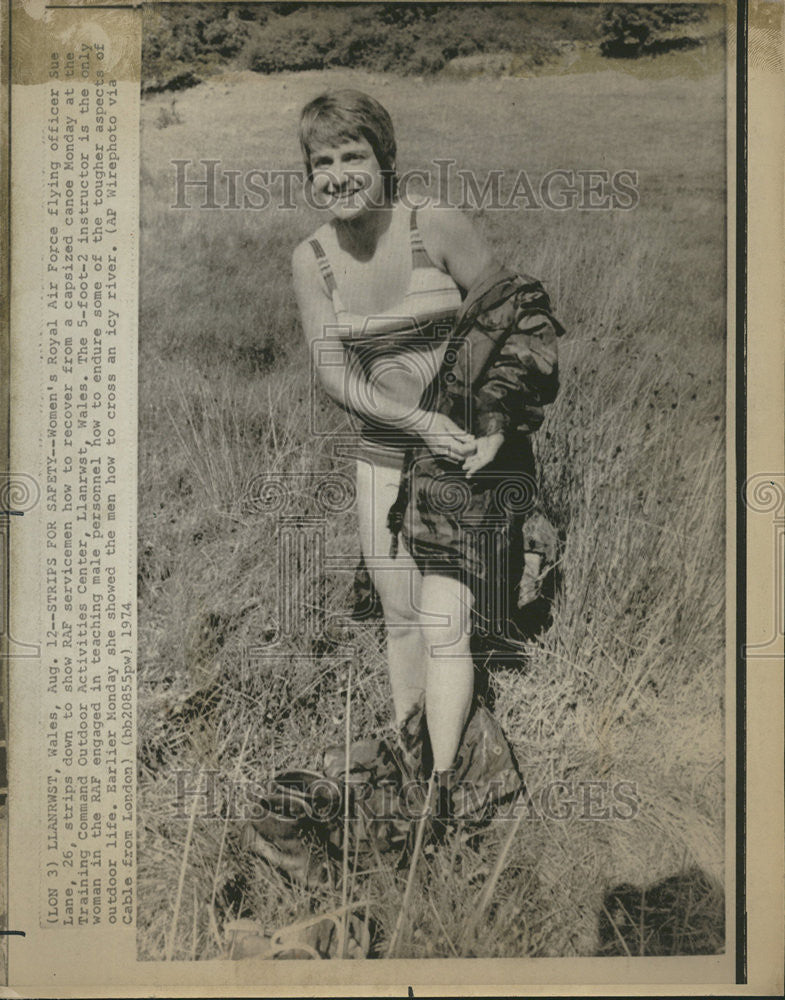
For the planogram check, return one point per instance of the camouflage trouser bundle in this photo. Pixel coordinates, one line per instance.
(514, 543)
(302, 833)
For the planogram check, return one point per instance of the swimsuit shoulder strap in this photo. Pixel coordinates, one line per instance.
(420, 257)
(324, 265)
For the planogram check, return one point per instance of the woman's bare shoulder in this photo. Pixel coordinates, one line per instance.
(442, 219)
(441, 225)
(303, 255)
(453, 241)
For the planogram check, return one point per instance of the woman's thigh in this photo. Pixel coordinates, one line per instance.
(397, 579)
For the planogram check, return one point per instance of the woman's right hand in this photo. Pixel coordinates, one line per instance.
(445, 438)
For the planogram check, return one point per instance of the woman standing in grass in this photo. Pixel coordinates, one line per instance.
(389, 281)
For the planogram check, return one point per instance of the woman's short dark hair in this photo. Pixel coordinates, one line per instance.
(342, 115)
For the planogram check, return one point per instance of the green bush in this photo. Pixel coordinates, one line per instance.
(631, 30)
(184, 43)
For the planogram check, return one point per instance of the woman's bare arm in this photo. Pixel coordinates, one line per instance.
(454, 243)
(344, 380)
(341, 376)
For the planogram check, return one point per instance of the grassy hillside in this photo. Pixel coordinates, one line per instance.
(626, 684)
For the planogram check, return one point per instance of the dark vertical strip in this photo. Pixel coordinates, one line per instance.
(741, 475)
(5, 437)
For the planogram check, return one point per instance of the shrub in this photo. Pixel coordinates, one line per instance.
(168, 116)
(183, 44)
(629, 31)
(186, 42)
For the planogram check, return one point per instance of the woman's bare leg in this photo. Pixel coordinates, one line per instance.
(445, 606)
(397, 581)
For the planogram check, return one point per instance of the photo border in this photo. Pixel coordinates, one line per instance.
(740, 260)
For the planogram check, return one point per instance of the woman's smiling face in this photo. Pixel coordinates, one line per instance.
(347, 178)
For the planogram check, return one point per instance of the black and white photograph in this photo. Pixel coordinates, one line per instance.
(392, 498)
(432, 482)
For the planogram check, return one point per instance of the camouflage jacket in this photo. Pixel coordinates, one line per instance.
(501, 366)
(499, 370)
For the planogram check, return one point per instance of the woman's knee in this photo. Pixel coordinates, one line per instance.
(445, 616)
(446, 628)
(397, 591)
(450, 639)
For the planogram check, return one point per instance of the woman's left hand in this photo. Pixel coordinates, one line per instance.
(444, 437)
(487, 449)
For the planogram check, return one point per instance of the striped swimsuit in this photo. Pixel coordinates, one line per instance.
(423, 320)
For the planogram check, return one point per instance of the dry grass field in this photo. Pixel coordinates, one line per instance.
(626, 683)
